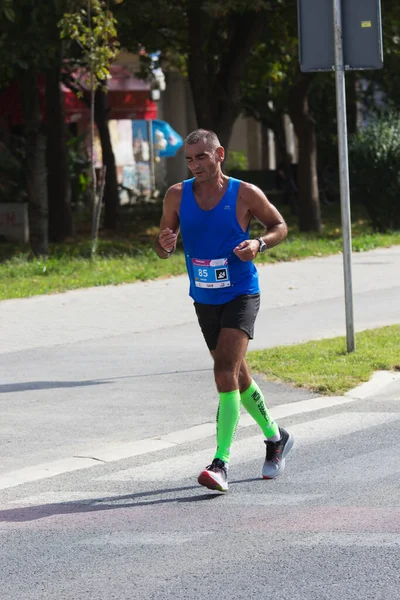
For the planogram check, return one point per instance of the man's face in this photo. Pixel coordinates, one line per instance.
(203, 161)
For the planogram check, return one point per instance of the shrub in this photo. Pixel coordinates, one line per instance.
(235, 161)
(374, 154)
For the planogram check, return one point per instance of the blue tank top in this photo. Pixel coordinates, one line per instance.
(209, 237)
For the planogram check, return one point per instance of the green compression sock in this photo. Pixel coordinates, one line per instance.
(253, 401)
(227, 419)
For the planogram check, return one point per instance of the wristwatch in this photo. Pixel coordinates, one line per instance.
(263, 246)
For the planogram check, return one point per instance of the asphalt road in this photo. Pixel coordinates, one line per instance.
(107, 410)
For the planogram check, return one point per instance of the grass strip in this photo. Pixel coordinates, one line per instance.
(324, 366)
(128, 256)
(20, 278)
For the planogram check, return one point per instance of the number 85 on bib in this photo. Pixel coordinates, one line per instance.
(211, 273)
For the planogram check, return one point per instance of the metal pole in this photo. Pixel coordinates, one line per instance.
(344, 171)
(151, 152)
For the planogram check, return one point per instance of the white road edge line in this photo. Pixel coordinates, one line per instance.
(131, 449)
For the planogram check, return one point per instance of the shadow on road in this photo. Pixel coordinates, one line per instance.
(49, 385)
(33, 513)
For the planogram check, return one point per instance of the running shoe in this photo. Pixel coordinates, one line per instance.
(276, 452)
(215, 476)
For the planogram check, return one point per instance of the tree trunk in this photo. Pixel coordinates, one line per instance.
(223, 125)
(215, 78)
(35, 163)
(309, 214)
(59, 188)
(111, 196)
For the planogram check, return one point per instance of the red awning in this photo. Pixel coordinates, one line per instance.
(123, 105)
(128, 97)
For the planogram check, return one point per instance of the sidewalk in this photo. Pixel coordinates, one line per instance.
(313, 287)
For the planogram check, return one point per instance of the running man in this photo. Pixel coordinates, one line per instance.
(213, 213)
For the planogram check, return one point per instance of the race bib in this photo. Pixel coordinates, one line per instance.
(211, 273)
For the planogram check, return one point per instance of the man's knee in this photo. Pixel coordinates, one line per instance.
(226, 376)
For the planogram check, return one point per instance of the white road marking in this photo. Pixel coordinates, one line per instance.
(248, 449)
(68, 465)
(115, 452)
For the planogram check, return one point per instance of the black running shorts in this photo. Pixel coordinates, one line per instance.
(239, 313)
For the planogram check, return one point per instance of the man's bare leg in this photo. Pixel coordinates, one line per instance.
(228, 357)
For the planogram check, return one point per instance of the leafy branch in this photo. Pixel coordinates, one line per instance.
(93, 29)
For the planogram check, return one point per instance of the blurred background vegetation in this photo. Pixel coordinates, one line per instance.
(240, 59)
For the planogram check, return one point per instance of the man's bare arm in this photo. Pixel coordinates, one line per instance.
(267, 214)
(165, 242)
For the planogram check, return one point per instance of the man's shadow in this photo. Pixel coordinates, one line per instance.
(33, 513)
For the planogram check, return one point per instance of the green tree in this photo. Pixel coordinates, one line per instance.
(30, 46)
(386, 80)
(93, 46)
(25, 54)
(374, 159)
(218, 46)
(208, 40)
(274, 87)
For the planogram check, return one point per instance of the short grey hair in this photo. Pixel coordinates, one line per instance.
(203, 135)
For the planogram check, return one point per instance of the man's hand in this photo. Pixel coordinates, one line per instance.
(247, 250)
(167, 239)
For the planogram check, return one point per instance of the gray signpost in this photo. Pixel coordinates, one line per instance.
(341, 35)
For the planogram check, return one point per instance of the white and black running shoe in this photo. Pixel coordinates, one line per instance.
(276, 451)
